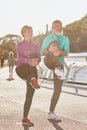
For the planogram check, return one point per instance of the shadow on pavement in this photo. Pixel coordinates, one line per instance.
(26, 128)
(55, 124)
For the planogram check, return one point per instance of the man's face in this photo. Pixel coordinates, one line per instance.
(57, 28)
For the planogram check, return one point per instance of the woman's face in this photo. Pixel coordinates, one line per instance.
(28, 34)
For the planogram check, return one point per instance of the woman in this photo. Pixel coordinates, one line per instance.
(29, 54)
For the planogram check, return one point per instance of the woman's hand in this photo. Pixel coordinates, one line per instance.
(34, 62)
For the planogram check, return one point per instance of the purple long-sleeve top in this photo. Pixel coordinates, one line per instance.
(24, 49)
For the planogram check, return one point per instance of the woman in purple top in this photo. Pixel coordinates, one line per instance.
(29, 54)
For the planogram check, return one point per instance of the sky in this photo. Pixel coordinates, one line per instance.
(37, 13)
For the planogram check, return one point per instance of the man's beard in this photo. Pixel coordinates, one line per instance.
(58, 33)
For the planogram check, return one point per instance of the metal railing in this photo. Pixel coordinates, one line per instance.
(75, 70)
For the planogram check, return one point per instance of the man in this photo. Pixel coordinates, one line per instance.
(63, 44)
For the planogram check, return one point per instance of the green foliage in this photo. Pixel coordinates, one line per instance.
(77, 33)
(2, 52)
(8, 43)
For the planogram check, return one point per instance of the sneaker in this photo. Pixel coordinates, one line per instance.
(34, 83)
(60, 73)
(12, 78)
(27, 122)
(9, 79)
(53, 116)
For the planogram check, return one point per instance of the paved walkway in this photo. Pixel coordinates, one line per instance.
(10, 119)
(71, 108)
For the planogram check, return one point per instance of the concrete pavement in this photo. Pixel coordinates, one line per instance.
(71, 108)
(10, 119)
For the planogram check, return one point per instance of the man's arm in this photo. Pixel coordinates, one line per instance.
(45, 45)
(66, 48)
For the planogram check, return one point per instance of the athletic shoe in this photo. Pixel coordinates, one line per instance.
(60, 73)
(27, 122)
(34, 83)
(12, 78)
(9, 79)
(53, 116)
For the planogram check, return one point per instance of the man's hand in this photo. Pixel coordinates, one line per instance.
(63, 53)
(57, 53)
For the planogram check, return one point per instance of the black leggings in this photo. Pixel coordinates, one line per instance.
(56, 92)
(51, 61)
(29, 95)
